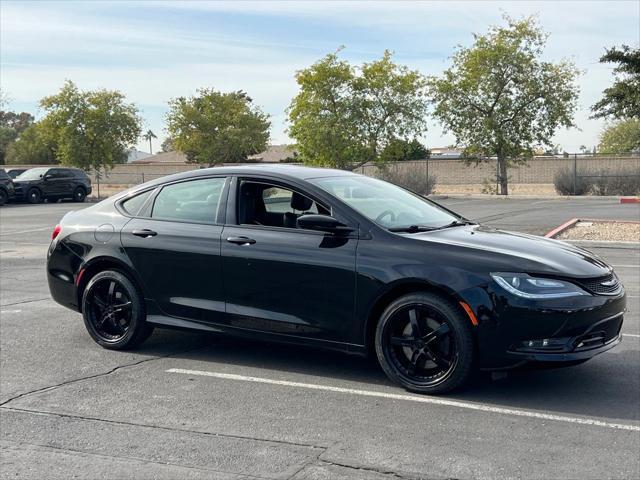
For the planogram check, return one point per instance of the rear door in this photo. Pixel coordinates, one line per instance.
(57, 182)
(174, 243)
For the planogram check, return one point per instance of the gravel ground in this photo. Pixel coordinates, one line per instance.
(607, 231)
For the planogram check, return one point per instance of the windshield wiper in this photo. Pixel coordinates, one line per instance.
(456, 223)
(413, 229)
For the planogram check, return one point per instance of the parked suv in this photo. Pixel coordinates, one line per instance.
(7, 191)
(38, 184)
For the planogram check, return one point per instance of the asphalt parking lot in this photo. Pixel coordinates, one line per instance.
(188, 405)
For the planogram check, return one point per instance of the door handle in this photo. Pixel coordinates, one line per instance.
(241, 240)
(144, 233)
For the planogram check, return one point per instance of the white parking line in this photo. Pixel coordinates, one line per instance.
(630, 335)
(414, 398)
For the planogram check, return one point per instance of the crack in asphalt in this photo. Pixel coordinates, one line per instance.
(97, 375)
(23, 302)
(126, 457)
(160, 427)
(377, 470)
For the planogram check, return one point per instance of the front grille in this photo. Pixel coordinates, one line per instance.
(607, 285)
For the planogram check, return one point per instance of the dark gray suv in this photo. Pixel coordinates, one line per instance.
(55, 183)
(7, 191)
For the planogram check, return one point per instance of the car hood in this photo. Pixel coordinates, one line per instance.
(519, 251)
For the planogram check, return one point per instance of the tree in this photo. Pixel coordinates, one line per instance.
(167, 145)
(148, 137)
(345, 116)
(89, 129)
(11, 126)
(500, 100)
(31, 148)
(214, 127)
(621, 137)
(622, 99)
(399, 150)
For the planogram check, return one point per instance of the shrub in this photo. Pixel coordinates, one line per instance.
(413, 181)
(564, 183)
(601, 183)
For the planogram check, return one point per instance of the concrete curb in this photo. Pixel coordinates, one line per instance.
(561, 228)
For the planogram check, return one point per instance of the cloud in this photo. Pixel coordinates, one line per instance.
(154, 51)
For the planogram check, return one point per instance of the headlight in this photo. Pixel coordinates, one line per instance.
(525, 286)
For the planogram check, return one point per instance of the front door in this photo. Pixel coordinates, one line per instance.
(282, 279)
(175, 246)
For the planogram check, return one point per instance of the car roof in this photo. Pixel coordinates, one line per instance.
(295, 172)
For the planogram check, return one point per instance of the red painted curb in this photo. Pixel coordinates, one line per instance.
(562, 228)
(629, 199)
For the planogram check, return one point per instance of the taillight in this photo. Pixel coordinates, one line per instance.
(56, 232)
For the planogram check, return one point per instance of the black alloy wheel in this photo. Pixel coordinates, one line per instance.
(34, 196)
(4, 197)
(425, 344)
(113, 311)
(79, 194)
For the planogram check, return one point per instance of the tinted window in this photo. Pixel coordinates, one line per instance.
(384, 203)
(192, 201)
(3, 174)
(32, 174)
(132, 206)
(58, 173)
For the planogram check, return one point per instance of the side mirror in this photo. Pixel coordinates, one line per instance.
(323, 223)
(48, 177)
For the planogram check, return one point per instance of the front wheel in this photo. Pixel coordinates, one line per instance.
(4, 196)
(113, 311)
(424, 343)
(34, 196)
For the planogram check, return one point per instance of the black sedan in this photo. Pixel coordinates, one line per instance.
(331, 259)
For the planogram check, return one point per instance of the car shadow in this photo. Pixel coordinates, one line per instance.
(607, 386)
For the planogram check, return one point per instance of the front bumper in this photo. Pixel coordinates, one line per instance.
(513, 331)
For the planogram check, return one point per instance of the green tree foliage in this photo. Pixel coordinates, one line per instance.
(31, 148)
(89, 129)
(214, 127)
(167, 145)
(621, 137)
(500, 100)
(345, 116)
(622, 99)
(12, 124)
(398, 150)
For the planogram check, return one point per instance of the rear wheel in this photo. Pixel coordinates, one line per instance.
(113, 311)
(34, 196)
(79, 194)
(425, 344)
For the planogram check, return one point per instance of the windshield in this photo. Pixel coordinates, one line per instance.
(32, 174)
(386, 204)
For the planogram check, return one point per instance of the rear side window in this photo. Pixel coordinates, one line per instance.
(133, 205)
(192, 201)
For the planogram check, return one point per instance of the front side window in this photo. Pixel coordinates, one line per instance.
(384, 203)
(274, 206)
(191, 201)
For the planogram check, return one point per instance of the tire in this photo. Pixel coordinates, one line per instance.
(34, 196)
(440, 358)
(4, 196)
(79, 194)
(110, 324)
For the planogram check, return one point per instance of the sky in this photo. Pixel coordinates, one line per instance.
(153, 51)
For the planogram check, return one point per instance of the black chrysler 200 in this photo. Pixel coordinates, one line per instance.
(331, 259)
